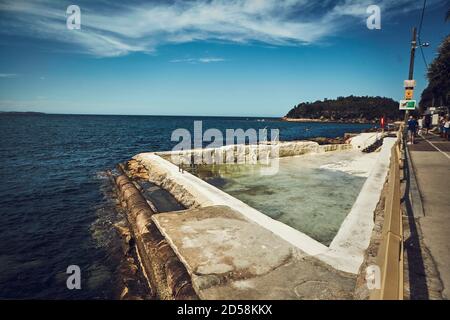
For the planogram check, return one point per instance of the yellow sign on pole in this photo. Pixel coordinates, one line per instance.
(409, 94)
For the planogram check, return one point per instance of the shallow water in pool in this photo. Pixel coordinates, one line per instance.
(311, 193)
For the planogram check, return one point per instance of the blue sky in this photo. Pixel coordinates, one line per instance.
(224, 58)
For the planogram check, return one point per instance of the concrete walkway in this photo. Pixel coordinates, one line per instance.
(230, 257)
(431, 162)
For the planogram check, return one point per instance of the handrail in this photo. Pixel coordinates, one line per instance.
(390, 252)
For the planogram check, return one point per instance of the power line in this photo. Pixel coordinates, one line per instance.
(419, 33)
(421, 17)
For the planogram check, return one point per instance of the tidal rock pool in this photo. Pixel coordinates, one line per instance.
(312, 193)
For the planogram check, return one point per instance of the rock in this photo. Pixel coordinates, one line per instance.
(324, 140)
(123, 295)
(123, 230)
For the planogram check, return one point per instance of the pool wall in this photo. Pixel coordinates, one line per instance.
(249, 153)
(346, 252)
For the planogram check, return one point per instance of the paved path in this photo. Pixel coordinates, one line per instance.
(431, 161)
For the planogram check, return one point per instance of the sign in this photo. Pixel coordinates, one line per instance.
(407, 104)
(409, 94)
(409, 83)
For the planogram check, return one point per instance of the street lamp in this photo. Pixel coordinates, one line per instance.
(425, 44)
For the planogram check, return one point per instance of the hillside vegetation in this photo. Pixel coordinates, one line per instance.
(347, 109)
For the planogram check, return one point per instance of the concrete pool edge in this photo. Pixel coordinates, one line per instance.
(346, 253)
(354, 233)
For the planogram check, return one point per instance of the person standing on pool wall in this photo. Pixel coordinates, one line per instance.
(412, 128)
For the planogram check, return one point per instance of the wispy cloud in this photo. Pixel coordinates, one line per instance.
(110, 29)
(8, 75)
(198, 60)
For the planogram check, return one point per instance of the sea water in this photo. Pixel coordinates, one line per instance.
(56, 207)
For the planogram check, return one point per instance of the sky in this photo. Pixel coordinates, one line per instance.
(209, 57)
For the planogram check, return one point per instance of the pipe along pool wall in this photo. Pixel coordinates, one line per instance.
(166, 275)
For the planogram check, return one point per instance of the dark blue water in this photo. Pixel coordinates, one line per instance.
(54, 205)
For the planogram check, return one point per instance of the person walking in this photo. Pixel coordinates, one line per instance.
(441, 126)
(427, 122)
(446, 128)
(412, 128)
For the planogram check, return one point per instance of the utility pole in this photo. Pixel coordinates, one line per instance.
(413, 53)
(411, 62)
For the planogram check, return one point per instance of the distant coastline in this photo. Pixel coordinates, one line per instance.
(306, 120)
(22, 112)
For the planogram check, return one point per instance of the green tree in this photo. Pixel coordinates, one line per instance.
(438, 90)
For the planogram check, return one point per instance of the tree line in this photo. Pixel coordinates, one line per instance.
(437, 93)
(348, 109)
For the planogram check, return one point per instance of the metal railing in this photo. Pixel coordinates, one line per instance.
(390, 252)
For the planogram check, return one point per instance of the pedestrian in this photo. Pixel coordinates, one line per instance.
(441, 126)
(420, 127)
(446, 128)
(412, 128)
(427, 122)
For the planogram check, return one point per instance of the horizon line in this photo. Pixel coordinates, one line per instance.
(141, 115)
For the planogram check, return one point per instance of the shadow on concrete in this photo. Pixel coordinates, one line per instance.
(416, 266)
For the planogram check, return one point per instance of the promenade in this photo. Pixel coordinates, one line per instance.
(430, 195)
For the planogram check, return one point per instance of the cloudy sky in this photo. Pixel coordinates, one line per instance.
(218, 57)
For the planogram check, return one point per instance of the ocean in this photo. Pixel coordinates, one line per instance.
(56, 203)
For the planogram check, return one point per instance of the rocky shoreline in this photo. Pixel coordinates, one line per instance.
(326, 120)
(337, 140)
